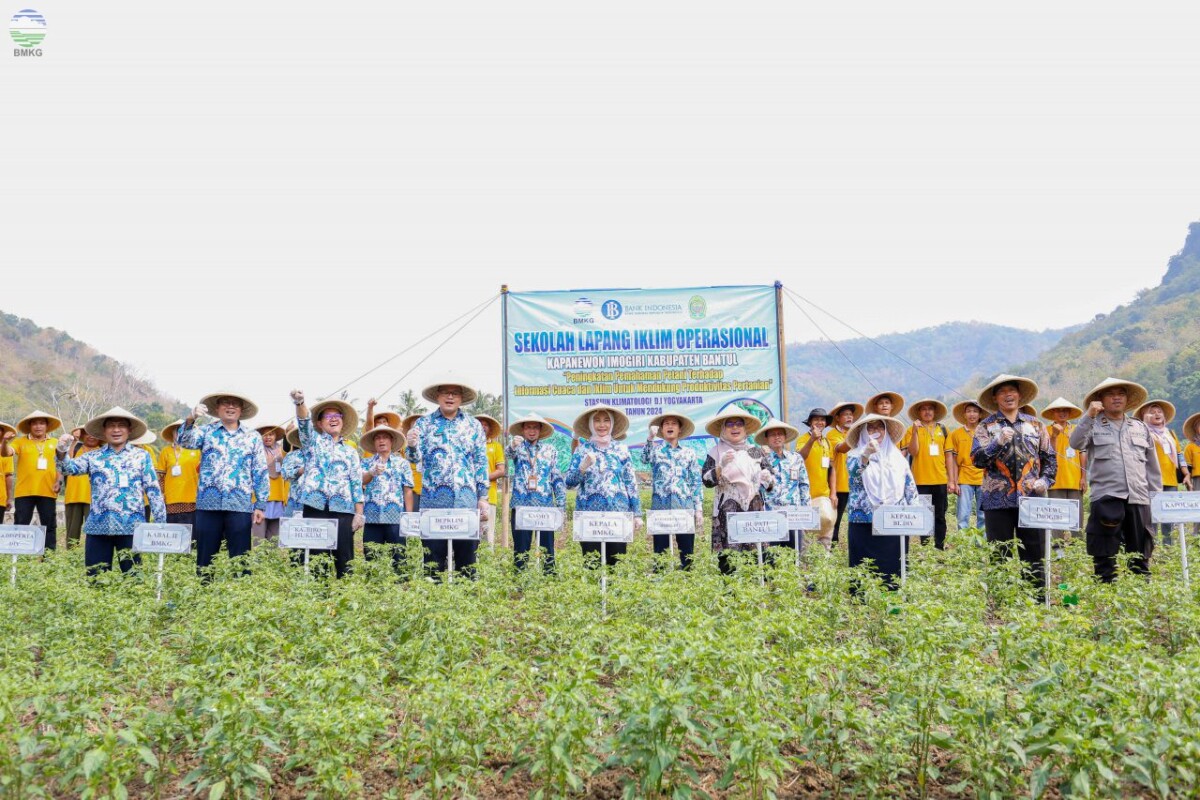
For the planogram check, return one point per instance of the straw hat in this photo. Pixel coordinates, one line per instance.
(367, 443)
(1189, 426)
(896, 398)
(149, 437)
(939, 409)
(895, 429)
(958, 410)
(1026, 387)
(1167, 407)
(620, 421)
(6, 428)
(137, 428)
(717, 423)
(517, 428)
(1135, 393)
(249, 407)
(407, 424)
(430, 392)
(686, 426)
(168, 433)
(1075, 412)
(54, 423)
(349, 415)
(776, 425)
(292, 435)
(389, 418)
(278, 430)
(491, 425)
(841, 404)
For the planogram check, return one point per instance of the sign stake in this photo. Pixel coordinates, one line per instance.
(449, 560)
(158, 581)
(306, 561)
(903, 559)
(603, 578)
(762, 575)
(1182, 529)
(14, 570)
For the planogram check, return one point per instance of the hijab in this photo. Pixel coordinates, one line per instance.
(1165, 440)
(596, 439)
(884, 475)
(741, 474)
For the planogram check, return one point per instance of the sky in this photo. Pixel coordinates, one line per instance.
(274, 195)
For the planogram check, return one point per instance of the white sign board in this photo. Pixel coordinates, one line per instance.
(802, 518)
(666, 522)
(903, 521)
(157, 537)
(757, 527)
(1048, 513)
(1169, 507)
(303, 533)
(450, 523)
(542, 519)
(602, 526)
(22, 540)
(410, 524)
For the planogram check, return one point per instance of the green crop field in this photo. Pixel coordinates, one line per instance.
(694, 685)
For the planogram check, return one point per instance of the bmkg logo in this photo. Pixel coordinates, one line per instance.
(27, 29)
(611, 309)
(583, 311)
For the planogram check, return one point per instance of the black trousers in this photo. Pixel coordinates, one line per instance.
(937, 492)
(98, 552)
(523, 544)
(344, 552)
(1001, 526)
(213, 527)
(23, 515)
(383, 533)
(1116, 525)
(843, 500)
(613, 549)
(686, 543)
(437, 558)
(184, 518)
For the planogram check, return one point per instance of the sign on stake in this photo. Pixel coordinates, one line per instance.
(449, 524)
(539, 520)
(603, 527)
(22, 540)
(162, 538)
(307, 534)
(757, 528)
(1173, 508)
(1049, 514)
(903, 521)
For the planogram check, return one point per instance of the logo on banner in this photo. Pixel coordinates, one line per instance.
(27, 30)
(611, 309)
(583, 311)
(697, 308)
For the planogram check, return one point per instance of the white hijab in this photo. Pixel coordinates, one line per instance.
(884, 475)
(596, 439)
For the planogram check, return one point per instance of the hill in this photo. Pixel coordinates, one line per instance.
(46, 368)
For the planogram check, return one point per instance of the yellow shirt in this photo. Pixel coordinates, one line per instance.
(79, 487)
(1165, 463)
(495, 455)
(820, 458)
(928, 469)
(1070, 467)
(959, 443)
(31, 481)
(836, 437)
(1191, 454)
(179, 488)
(6, 468)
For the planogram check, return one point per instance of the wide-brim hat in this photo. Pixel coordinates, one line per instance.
(491, 425)
(1028, 409)
(389, 418)
(430, 392)
(939, 409)
(717, 424)
(1074, 411)
(517, 428)
(149, 437)
(168, 433)
(843, 404)
(1167, 407)
(407, 424)
(1026, 387)
(367, 442)
(249, 407)
(53, 423)
(1135, 393)
(263, 430)
(958, 410)
(620, 421)
(776, 425)
(895, 429)
(349, 415)
(818, 412)
(137, 428)
(1189, 426)
(292, 435)
(896, 398)
(6, 428)
(686, 426)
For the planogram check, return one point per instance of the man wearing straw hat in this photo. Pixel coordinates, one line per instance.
(387, 489)
(449, 448)
(925, 442)
(37, 481)
(845, 414)
(77, 499)
(816, 449)
(233, 485)
(792, 486)
(179, 475)
(1157, 415)
(1123, 473)
(1070, 482)
(887, 404)
(331, 486)
(674, 479)
(1014, 451)
(964, 479)
(536, 482)
(121, 476)
(497, 469)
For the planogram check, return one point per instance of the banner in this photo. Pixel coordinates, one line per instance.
(693, 351)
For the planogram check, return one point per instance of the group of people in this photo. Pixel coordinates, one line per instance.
(232, 482)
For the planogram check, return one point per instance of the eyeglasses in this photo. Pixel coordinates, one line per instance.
(735, 423)
(331, 415)
(226, 401)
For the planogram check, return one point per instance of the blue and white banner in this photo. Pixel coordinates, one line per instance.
(693, 351)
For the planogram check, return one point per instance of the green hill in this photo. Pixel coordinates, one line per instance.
(46, 368)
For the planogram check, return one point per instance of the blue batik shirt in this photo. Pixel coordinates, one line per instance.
(610, 484)
(791, 480)
(233, 467)
(332, 479)
(536, 480)
(290, 469)
(451, 455)
(859, 504)
(121, 482)
(384, 495)
(675, 476)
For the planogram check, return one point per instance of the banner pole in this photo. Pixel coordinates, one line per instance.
(505, 484)
(783, 394)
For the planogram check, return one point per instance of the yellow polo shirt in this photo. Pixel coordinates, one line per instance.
(1167, 466)
(181, 488)
(1070, 467)
(31, 481)
(79, 487)
(495, 457)
(959, 443)
(6, 468)
(818, 473)
(842, 478)
(928, 469)
(1191, 454)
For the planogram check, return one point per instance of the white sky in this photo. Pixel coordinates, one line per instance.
(283, 194)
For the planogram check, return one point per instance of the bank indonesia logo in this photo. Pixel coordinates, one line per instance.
(27, 28)
(611, 309)
(697, 307)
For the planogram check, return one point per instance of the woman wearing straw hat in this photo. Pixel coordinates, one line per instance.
(844, 414)
(449, 448)
(1017, 459)
(879, 476)
(675, 479)
(497, 468)
(964, 479)
(887, 404)
(1070, 482)
(740, 471)
(1157, 415)
(77, 499)
(331, 487)
(791, 485)
(37, 481)
(536, 482)
(179, 475)
(273, 437)
(925, 442)
(816, 450)
(1123, 473)
(602, 469)
(375, 419)
(387, 490)
(233, 485)
(121, 476)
